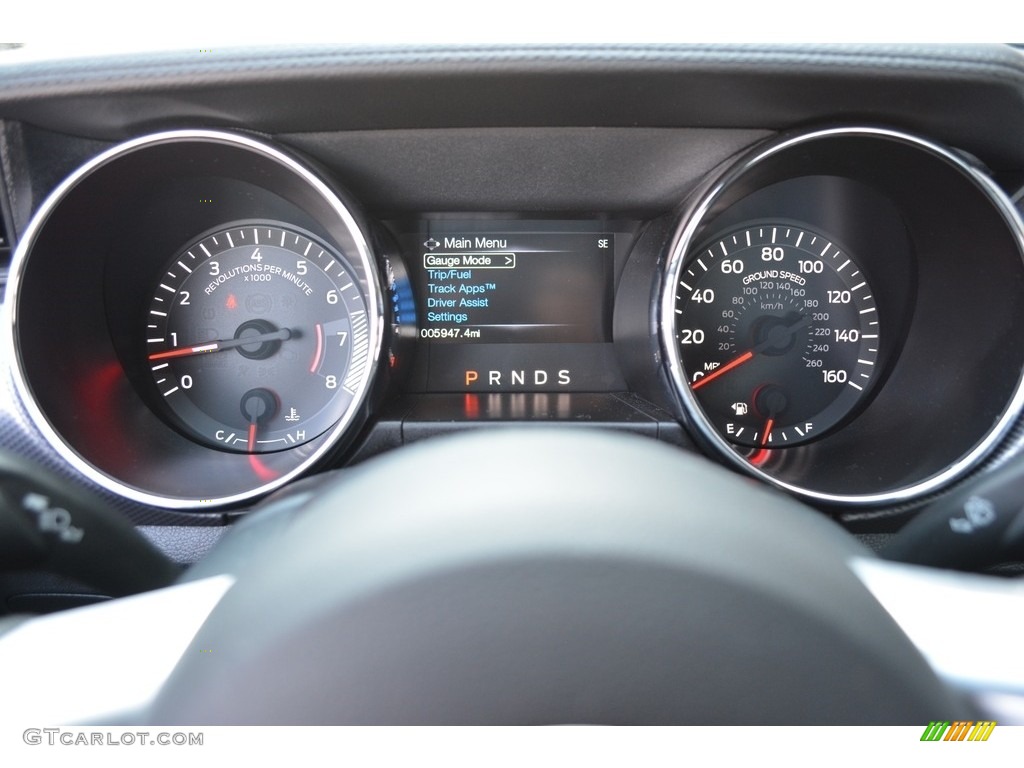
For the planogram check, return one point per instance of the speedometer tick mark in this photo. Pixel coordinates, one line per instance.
(724, 253)
(773, 235)
(843, 266)
(684, 286)
(799, 238)
(858, 286)
(856, 386)
(866, 362)
(865, 311)
(702, 265)
(827, 246)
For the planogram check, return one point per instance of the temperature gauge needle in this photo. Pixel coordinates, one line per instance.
(216, 346)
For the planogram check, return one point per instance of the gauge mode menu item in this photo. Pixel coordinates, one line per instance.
(778, 334)
(256, 337)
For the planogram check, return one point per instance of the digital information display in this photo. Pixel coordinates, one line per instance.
(513, 305)
(515, 287)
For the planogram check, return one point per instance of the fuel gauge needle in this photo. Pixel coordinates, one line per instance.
(761, 455)
(252, 436)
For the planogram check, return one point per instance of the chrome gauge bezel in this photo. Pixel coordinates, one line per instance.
(696, 224)
(336, 216)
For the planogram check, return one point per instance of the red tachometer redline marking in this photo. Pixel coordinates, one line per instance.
(185, 351)
(719, 371)
(319, 348)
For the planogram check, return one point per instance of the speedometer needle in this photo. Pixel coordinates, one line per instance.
(777, 336)
(722, 370)
(217, 346)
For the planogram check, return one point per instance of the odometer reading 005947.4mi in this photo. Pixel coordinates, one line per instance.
(778, 334)
(257, 337)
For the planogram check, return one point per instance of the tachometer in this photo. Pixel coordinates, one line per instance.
(778, 333)
(257, 336)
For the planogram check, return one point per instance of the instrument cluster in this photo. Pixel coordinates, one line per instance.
(196, 318)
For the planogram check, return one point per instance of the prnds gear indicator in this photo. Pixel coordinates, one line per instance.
(778, 334)
(256, 337)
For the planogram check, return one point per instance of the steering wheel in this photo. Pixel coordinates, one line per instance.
(529, 576)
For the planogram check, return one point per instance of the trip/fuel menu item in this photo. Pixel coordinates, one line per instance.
(515, 287)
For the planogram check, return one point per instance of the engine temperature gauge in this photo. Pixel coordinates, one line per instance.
(257, 336)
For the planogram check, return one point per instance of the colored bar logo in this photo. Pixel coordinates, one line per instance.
(960, 730)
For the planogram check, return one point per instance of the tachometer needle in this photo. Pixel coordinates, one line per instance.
(217, 346)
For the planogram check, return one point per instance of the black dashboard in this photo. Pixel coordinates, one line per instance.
(237, 278)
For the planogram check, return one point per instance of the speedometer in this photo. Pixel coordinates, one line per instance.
(778, 334)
